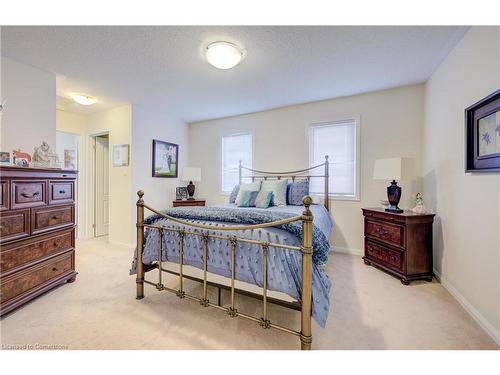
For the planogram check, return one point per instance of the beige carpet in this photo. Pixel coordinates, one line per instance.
(370, 310)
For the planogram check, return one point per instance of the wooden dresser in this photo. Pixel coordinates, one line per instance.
(400, 244)
(37, 232)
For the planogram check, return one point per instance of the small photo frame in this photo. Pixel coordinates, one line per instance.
(5, 158)
(121, 155)
(181, 193)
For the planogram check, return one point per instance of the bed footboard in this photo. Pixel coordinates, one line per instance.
(306, 250)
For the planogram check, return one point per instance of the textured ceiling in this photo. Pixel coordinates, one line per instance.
(163, 68)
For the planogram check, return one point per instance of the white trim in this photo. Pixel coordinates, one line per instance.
(469, 308)
(347, 250)
(357, 162)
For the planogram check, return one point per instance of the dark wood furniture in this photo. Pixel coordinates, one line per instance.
(188, 202)
(37, 232)
(400, 244)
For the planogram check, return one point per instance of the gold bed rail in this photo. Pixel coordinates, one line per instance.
(255, 173)
(263, 321)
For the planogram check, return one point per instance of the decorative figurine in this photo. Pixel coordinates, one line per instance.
(44, 157)
(419, 205)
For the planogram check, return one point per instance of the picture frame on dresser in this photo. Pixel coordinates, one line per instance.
(482, 135)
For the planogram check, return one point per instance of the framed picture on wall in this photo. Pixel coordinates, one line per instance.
(482, 135)
(120, 155)
(165, 159)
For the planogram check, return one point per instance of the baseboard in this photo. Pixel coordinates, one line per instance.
(471, 310)
(347, 250)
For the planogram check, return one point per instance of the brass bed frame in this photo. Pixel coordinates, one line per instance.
(303, 305)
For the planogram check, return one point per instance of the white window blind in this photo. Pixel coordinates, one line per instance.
(234, 148)
(338, 140)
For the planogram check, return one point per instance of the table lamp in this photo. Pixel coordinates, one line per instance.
(390, 169)
(191, 174)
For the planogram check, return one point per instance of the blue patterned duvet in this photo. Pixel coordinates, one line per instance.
(284, 266)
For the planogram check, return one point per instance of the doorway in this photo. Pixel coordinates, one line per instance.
(101, 185)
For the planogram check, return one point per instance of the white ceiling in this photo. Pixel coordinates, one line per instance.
(163, 67)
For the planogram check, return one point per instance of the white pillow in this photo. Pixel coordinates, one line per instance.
(278, 187)
(252, 186)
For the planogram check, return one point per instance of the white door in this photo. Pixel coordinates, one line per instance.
(101, 186)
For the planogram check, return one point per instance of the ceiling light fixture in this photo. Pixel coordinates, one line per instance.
(84, 99)
(224, 55)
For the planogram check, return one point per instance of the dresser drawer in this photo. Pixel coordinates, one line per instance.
(387, 232)
(14, 225)
(23, 253)
(28, 194)
(36, 277)
(52, 217)
(61, 192)
(391, 258)
(4, 195)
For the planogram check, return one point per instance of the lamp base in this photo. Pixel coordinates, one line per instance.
(190, 189)
(394, 209)
(393, 196)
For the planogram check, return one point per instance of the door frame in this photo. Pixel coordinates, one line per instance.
(91, 178)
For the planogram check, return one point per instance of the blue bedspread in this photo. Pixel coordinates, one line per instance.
(284, 266)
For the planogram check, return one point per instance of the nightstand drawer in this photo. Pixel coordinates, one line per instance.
(391, 233)
(391, 258)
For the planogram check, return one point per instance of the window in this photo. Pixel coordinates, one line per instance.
(235, 148)
(340, 141)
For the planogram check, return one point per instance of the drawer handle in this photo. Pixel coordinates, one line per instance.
(393, 258)
(55, 217)
(62, 191)
(54, 269)
(30, 196)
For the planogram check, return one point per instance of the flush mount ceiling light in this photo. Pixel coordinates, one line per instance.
(84, 99)
(224, 55)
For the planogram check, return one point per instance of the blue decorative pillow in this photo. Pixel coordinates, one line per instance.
(248, 199)
(234, 194)
(263, 199)
(296, 191)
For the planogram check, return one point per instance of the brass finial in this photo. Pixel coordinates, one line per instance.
(307, 200)
(140, 193)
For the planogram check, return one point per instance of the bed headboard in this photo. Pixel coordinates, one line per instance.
(301, 174)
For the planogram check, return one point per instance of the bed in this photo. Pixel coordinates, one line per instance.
(278, 249)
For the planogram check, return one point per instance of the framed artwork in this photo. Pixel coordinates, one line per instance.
(69, 159)
(120, 155)
(5, 158)
(482, 135)
(181, 193)
(165, 159)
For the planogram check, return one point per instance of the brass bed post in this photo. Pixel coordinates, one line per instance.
(232, 310)
(307, 219)
(204, 301)
(140, 243)
(327, 178)
(239, 172)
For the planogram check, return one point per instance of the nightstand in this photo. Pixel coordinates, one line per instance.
(188, 202)
(400, 244)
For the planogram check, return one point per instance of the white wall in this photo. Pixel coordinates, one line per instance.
(391, 125)
(77, 124)
(118, 123)
(29, 116)
(146, 126)
(467, 230)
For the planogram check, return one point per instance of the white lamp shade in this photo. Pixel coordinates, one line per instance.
(191, 174)
(387, 169)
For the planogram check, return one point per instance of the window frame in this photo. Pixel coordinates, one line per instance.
(221, 184)
(357, 154)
